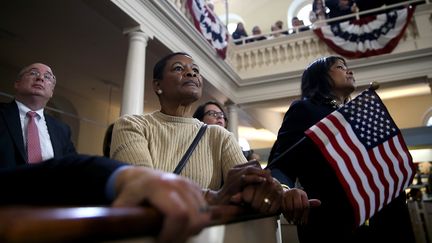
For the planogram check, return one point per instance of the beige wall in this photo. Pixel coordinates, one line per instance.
(409, 111)
(95, 116)
(260, 13)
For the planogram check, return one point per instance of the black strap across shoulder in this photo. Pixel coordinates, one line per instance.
(190, 150)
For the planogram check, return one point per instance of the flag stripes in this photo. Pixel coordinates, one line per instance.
(371, 176)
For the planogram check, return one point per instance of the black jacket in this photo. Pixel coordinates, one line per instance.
(12, 148)
(74, 180)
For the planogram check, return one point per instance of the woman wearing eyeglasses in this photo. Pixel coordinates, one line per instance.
(159, 140)
(211, 112)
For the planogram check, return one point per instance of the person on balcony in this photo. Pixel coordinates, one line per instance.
(280, 24)
(239, 33)
(340, 8)
(298, 25)
(158, 140)
(256, 35)
(318, 13)
(276, 32)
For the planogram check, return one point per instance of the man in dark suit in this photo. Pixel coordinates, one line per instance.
(33, 89)
(78, 180)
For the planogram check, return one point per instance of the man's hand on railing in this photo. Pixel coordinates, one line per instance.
(185, 212)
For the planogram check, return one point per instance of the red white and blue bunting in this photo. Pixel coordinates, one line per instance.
(368, 36)
(206, 22)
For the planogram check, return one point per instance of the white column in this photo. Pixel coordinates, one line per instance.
(133, 88)
(233, 120)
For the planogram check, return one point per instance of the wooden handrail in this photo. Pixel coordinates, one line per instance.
(61, 224)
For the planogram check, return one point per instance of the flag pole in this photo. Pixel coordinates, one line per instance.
(275, 161)
(372, 86)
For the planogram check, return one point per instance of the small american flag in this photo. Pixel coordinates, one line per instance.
(367, 151)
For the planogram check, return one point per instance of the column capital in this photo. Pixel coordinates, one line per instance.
(136, 32)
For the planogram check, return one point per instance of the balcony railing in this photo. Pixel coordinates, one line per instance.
(293, 52)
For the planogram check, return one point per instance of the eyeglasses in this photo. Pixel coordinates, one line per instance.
(215, 114)
(47, 76)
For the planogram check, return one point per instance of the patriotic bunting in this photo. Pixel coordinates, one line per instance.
(209, 25)
(368, 36)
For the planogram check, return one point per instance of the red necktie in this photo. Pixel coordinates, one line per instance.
(34, 153)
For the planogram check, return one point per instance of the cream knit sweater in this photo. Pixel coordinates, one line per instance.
(159, 141)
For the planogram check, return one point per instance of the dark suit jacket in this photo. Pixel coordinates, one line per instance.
(12, 149)
(333, 220)
(72, 180)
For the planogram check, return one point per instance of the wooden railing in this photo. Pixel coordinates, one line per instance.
(78, 224)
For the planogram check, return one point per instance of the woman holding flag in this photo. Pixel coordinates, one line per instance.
(326, 86)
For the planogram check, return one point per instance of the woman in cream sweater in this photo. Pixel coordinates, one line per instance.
(159, 140)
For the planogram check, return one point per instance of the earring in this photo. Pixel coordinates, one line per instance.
(159, 91)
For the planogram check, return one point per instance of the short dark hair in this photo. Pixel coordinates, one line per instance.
(316, 82)
(200, 111)
(160, 65)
